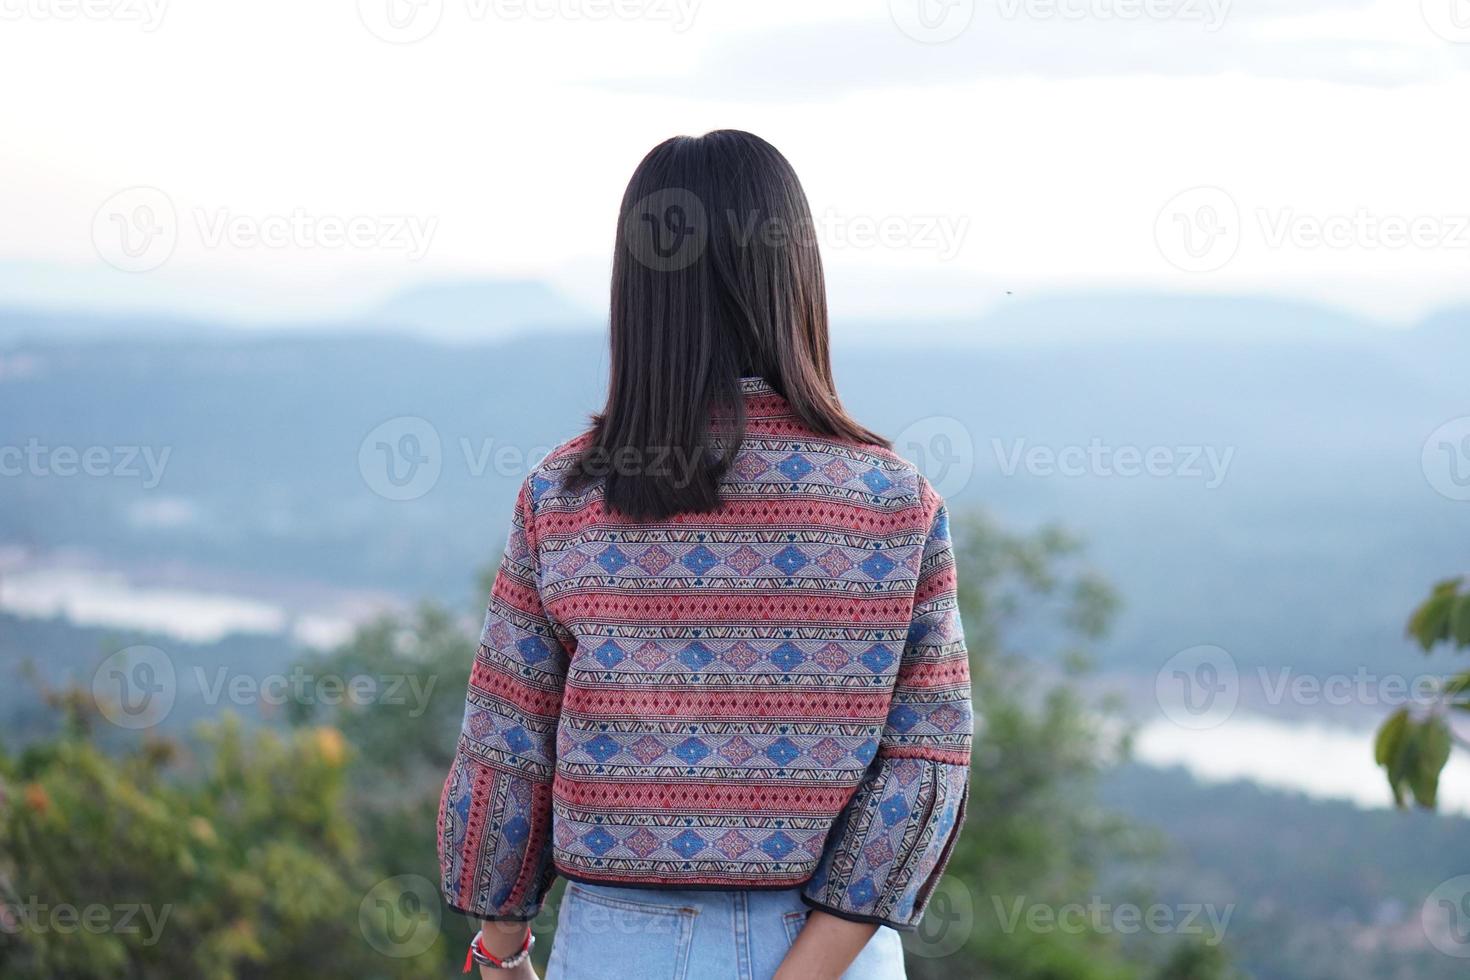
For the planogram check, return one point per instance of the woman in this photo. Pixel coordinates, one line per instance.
(722, 686)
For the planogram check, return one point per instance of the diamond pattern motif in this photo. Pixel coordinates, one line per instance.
(612, 559)
(687, 844)
(778, 845)
(828, 752)
(794, 467)
(696, 656)
(650, 656)
(692, 750)
(894, 809)
(742, 656)
(655, 560)
(534, 649)
(832, 658)
(837, 471)
(749, 467)
(901, 718)
(782, 751)
(733, 844)
(790, 560)
(700, 560)
(737, 751)
(745, 560)
(642, 843)
(788, 656)
(877, 565)
(609, 654)
(877, 658)
(834, 562)
(648, 750)
(602, 748)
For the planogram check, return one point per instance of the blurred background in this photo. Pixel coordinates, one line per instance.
(1169, 298)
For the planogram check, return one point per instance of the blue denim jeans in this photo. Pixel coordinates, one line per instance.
(612, 933)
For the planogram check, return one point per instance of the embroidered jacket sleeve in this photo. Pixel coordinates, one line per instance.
(888, 849)
(495, 812)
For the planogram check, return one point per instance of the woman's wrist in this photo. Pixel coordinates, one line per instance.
(503, 939)
(825, 948)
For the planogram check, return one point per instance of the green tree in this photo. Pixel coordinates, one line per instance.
(234, 858)
(404, 740)
(1198, 961)
(1413, 746)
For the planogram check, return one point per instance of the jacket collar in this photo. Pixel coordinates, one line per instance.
(762, 401)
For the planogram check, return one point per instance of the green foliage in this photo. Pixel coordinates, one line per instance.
(241, 862)
(1414, 747)
(1198, 961)
(404, 745)
(1444, 616)
(404, 741)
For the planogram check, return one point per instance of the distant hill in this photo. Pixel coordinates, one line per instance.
(1086, 318)
(1320, 535)
(1275, 863)
(480, 310)
(466, 311)
(472, 311)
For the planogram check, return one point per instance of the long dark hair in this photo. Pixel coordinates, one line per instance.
(716, 276)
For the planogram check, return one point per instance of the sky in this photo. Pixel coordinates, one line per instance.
(280, 161)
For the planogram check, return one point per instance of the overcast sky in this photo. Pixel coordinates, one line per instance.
(281, 158)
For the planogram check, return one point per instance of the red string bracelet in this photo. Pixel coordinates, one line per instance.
(479, 954)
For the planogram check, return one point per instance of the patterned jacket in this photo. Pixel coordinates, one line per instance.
(771, 695)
